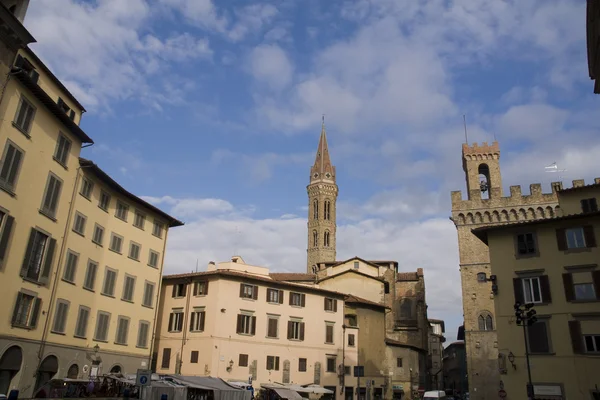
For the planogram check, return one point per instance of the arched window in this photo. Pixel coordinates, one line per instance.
(485, 322)
(481, 277)
(315, 209)
(327, 210)
(315, 239)
(326, 239)
(73, 372)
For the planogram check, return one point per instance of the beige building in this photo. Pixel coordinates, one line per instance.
(487, 205)
(436, 354)
(236, 322)
(13, 35)
(553, 264)
(72, 243)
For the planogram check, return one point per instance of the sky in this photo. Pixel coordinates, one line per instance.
(212, 111)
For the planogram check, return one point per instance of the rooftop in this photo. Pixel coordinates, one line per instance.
(293, 276)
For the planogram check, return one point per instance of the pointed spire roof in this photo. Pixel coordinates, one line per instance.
(322, 169)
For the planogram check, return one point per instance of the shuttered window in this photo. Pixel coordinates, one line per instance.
(176, 321)
(142, 340)
(70, 266)
(26, 311)
(153, 259)
(87, 187)
(273, 363)
(297, 299)
(83, 317)
(10, 165)
(538, 337)
(140, 220)
(329, 333)
(116, 243)
(575, 238)
(110, 278)
(246, 324)
(98, 234)
(6, 226)
(122, 211)
(128, 288)
(275, 296)
(79, 223)
(157, 230)
(589, 205)
(330, 304)
(90, 275)
(104, 202)
(51, 196)
(102, 324)
(248, 291)
(39, 256)
(122, 330)
(134, 250)
(166, 358)
(272, 327)
(302, 365)
(63, 147)
(532, 290)
(582, 286)
(24, 116)
(194, 357)
(148, 294)
(197, 320)
(295, 330)
(60, 316)
(201, 288)
(243, 360)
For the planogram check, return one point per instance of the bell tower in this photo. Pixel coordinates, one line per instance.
(322, 196)
(482, 169)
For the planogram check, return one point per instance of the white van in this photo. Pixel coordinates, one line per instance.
(434, 395)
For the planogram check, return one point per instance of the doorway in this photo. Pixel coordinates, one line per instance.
(10, 365)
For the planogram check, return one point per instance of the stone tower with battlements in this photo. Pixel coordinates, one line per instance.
(322, 196)
(486, 205)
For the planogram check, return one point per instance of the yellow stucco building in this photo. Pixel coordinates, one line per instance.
(80, 257)
(553, 264)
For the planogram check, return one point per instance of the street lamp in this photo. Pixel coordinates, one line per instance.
(526, 317)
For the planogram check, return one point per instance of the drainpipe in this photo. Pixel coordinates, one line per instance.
(343, 358)
(157, 304)
(185, 323)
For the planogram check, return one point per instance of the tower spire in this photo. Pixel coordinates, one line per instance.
(322, 168)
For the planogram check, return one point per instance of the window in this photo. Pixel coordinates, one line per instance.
(90, 275)
(197, 320)
(70, 266)
(315, 209)
(27, 310)
(481, 277)
(485, 322)
(581, 286)
(134, 251)
(329, 333)
(246, 324)
(179, 290)
(399, 362)
(315, 239)
(592, 343)
(201, 288)
(243, 360)
(24, 116)
(346, 370)
(194, 357)
(10, 166)
(176, 321)
(153, 259)
(104, 201)
(351, 340)
(110, 278)
(128, 288)
(61, 153)
(272, 363)
(51, 196)
(275, 296)
(589, 205)
(327, 210)
(248, 291)
(83, 317)
(295, 330)
(538, 337)
(330, 364)
(302, 365)
(87, 187)
(272, 327)
(532, 290)
(140, 220)
(356, 265)
(351, 320)
(63, 106)
(122, 330)
(116, 243)
(102, 323)
(330, 304)
(326, 239)
(98, 234)
(297, 299)
(157, 230)
(148, 294)
(38, 257)
(79, 223)
(142, 339)
(60, 316)
(6, 224)
(121, 211)
(166, 358)
(575, 238)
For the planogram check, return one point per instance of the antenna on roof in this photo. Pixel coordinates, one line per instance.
(465, 123)
(196, 265)
(553, 168)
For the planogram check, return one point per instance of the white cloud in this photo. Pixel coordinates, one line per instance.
(270, 65)
(250, 19)
(201, 12)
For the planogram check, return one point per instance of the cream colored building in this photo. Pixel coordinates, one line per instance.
(552, 263)
(64, 314)
(236, 322)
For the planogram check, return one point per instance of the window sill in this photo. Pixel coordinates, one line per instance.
(330, 311)
(100, 340)
(60, 163)
(152, 266)
(271, 337)
(526, 256)
(17, 127)
(295, 306)
(197, 331)
(89, 289)
(120, 344)
(8, 190)
(47, 214)
(26, 327)
(88, 198)
(79, 337)
(174, 331)
(178, 297)
(247, 298)
(578, 250)
(122, 219)
(134, 259)
(160, 237)
(244, 334)
(141, 228)
(295, 340)
(147, 306)
(68, 281)
(34, 281)
(141, 347)
(127, 301)
(115, 251)
(58, 333)
(200, 295)
(79, 233)
(330, 343)
(275, 303)
(96, 243)
(108, 295)
(542, 354)
(102, 208)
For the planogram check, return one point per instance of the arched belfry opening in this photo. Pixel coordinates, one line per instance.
(484, 180)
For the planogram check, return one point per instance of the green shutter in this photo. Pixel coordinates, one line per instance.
(5, 238)
(28, 250)
(48, 259)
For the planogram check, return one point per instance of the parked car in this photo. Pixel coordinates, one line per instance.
(435, 395)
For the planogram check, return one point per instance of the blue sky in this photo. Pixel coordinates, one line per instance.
(212, 111)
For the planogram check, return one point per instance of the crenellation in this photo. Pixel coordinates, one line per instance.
(597, 181)
(556, 186)
(485, 148)
(535, 189)
(578, 183)
(515, 191)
